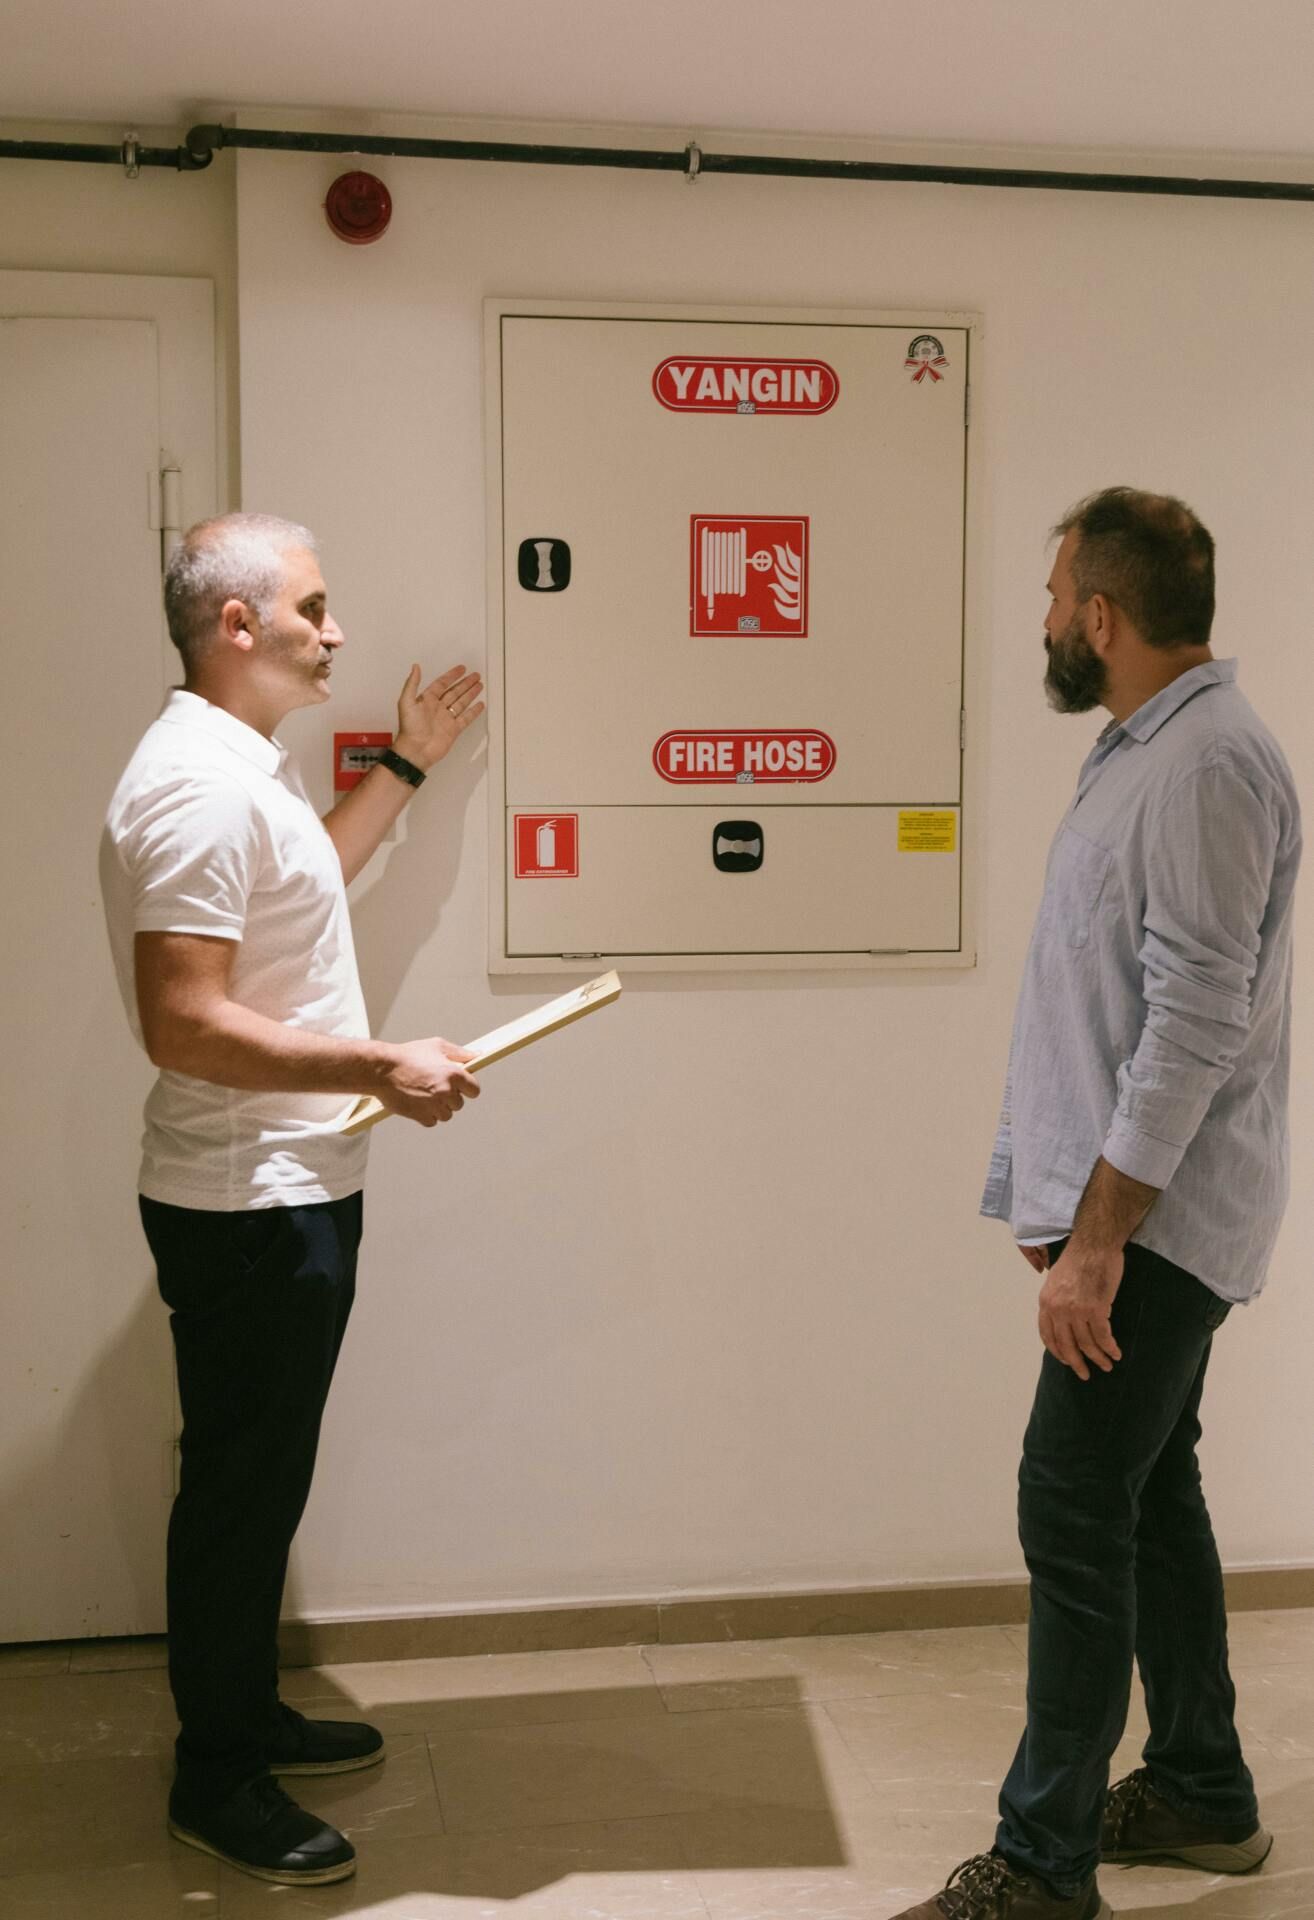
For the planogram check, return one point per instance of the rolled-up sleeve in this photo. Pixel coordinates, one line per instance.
(1208, 875)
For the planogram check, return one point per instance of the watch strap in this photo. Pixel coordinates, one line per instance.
(404, 769)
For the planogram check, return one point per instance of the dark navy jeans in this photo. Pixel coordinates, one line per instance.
(1121, 1553)
(259, 1306)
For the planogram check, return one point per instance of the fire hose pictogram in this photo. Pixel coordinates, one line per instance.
(749, 575)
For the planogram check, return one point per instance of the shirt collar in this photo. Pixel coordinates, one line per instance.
(183, 709)
(1147, 719)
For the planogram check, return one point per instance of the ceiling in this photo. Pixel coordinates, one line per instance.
(1144, 75)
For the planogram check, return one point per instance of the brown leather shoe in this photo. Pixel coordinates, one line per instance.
(1138, 1825)
(987, 1888)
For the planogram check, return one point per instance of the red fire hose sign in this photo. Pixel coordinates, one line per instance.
(748, 574)
(547, 846)
(746, 756)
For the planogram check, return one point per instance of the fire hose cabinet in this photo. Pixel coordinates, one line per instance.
(726, 619)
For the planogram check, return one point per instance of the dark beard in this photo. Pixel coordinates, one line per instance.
(1075, 679)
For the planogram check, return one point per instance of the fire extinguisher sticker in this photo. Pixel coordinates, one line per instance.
(748, 574)
(547, 846)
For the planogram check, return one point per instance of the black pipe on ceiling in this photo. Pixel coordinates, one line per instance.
(203, 142)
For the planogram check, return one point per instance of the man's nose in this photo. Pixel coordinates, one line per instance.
(331, 633)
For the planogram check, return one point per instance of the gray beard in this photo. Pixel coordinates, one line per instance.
(1075, 680)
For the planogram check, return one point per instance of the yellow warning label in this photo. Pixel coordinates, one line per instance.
(927, 832)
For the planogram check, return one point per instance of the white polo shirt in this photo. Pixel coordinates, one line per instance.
(210, 832)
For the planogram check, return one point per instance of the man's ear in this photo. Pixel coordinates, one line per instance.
(236, 621)
(1101, 620)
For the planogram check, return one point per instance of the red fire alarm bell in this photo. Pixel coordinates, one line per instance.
(359, 208)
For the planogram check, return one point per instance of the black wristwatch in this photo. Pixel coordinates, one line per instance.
(404, 769)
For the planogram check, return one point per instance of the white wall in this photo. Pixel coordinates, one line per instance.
(697, 1299)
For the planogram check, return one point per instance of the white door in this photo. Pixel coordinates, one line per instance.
(86, 1383)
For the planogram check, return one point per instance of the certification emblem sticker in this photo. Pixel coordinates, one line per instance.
(925, 359)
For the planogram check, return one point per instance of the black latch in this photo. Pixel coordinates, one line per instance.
(543, 566)
(737, 846)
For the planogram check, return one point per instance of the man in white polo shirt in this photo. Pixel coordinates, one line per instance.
(225, 898)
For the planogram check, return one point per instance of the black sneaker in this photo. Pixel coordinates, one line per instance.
(260, 1831)
(1139, 1825)
(322, 1746)
(987, 1888)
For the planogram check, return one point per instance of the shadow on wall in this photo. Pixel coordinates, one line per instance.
(400, 905)
(397, 908)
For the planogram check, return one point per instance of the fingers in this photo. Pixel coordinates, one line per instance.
(1058, 1341)
(1085, 1337)
(443, 1106)
(457, 701)
(1077, 1341)
(1066, 1349)
(455, 684)
(1103, 1333)
(454, 1097)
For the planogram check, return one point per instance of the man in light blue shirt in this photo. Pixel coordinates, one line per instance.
(1141, 1162)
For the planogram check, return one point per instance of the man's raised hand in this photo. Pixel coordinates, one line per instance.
(431, 719)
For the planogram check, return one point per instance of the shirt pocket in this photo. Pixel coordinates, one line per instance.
(1077, 873)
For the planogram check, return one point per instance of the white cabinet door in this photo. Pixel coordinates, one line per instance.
(646, 881)
(729, 573)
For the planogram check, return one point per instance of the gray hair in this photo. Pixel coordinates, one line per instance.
(238, 556)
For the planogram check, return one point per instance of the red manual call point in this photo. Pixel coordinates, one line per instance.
(358, 207)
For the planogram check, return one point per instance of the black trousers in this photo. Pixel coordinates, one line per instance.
(1123, 1565)
(259, 1304)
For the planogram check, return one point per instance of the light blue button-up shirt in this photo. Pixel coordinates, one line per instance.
(1153, 1026)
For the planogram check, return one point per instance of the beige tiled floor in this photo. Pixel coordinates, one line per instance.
(822, 1779)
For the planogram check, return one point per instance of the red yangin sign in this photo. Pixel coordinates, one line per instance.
(746, 756)
(691, 384)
